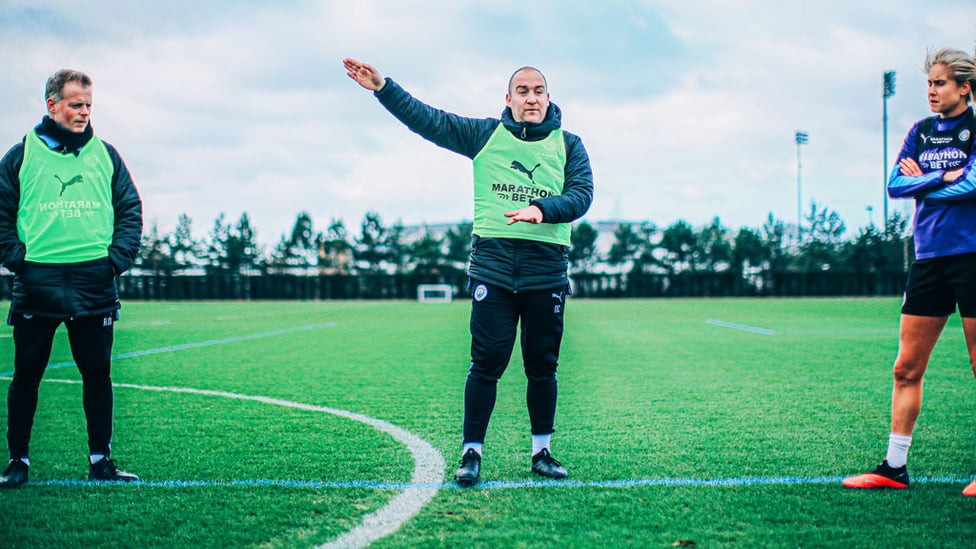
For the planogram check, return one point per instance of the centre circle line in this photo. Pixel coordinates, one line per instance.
(425, 481)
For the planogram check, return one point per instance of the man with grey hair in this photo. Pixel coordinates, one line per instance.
(70, 223)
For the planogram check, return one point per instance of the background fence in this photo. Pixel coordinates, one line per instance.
(162, 287)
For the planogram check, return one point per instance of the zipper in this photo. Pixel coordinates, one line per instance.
(516, 266)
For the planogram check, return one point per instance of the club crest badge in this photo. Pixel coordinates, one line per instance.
(480, 292)
(965, 135)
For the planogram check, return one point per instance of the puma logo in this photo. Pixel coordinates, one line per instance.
(516, 165)
(65, 184)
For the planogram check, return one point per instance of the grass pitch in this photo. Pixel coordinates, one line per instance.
(723, 423)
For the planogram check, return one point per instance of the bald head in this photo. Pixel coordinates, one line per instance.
(528, 95)
(526, 68)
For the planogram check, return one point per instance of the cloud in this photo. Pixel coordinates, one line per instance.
(687, 109)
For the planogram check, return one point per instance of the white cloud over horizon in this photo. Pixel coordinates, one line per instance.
(687, 109)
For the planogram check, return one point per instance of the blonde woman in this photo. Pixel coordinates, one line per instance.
(936, 168)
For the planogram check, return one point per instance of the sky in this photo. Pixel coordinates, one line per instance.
(688, 108)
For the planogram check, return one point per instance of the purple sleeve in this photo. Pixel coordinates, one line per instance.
(906, 186)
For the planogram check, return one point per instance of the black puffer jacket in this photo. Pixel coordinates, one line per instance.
(68, 290)
(513, 264)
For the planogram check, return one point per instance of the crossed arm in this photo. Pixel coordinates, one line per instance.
(910, 167)
(956, 184)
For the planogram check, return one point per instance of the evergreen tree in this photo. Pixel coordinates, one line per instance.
(154, 254)
(712, 248)
(242, 247)
(748, 251)
(335, 251)
(217, 248)
(583, 254)
(777, 252)
(679, 244)
(458, 242)
(427, 252)
(820, 250)
(300, 249)
(398, 251)
(874, 251)
(371, 249)
(626, 246)
(186, 251)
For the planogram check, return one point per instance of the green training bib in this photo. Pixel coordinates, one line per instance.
(510, 173)
(65, 213)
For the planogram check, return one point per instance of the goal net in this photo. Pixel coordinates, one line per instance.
(435, 293)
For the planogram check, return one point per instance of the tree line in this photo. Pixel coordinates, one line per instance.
(637, 247)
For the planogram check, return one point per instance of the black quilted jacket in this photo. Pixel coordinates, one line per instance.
(513, 264)
(68, 290)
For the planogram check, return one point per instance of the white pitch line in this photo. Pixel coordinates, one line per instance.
(743, 327)
(195, 344)
(428, 471)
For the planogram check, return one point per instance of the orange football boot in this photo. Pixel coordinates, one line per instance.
(884, 476)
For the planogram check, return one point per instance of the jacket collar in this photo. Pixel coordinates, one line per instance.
(533, 131)
(60, 139)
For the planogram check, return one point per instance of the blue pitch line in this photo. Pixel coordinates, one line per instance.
(491, 484)
(185, 346)
(743, 327)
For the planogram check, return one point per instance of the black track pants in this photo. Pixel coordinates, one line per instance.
(496, 315)
(91, 346)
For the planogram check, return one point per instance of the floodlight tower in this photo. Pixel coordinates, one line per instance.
(888, 90)
(802, 138)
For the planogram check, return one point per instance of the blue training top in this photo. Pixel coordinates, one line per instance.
(945, 213)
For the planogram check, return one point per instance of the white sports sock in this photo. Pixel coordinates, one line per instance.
(540, 443)
(24, 459)
(898, 450)
(473, 445)
(95, 458)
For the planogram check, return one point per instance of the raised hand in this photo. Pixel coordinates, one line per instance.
(366, 75)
